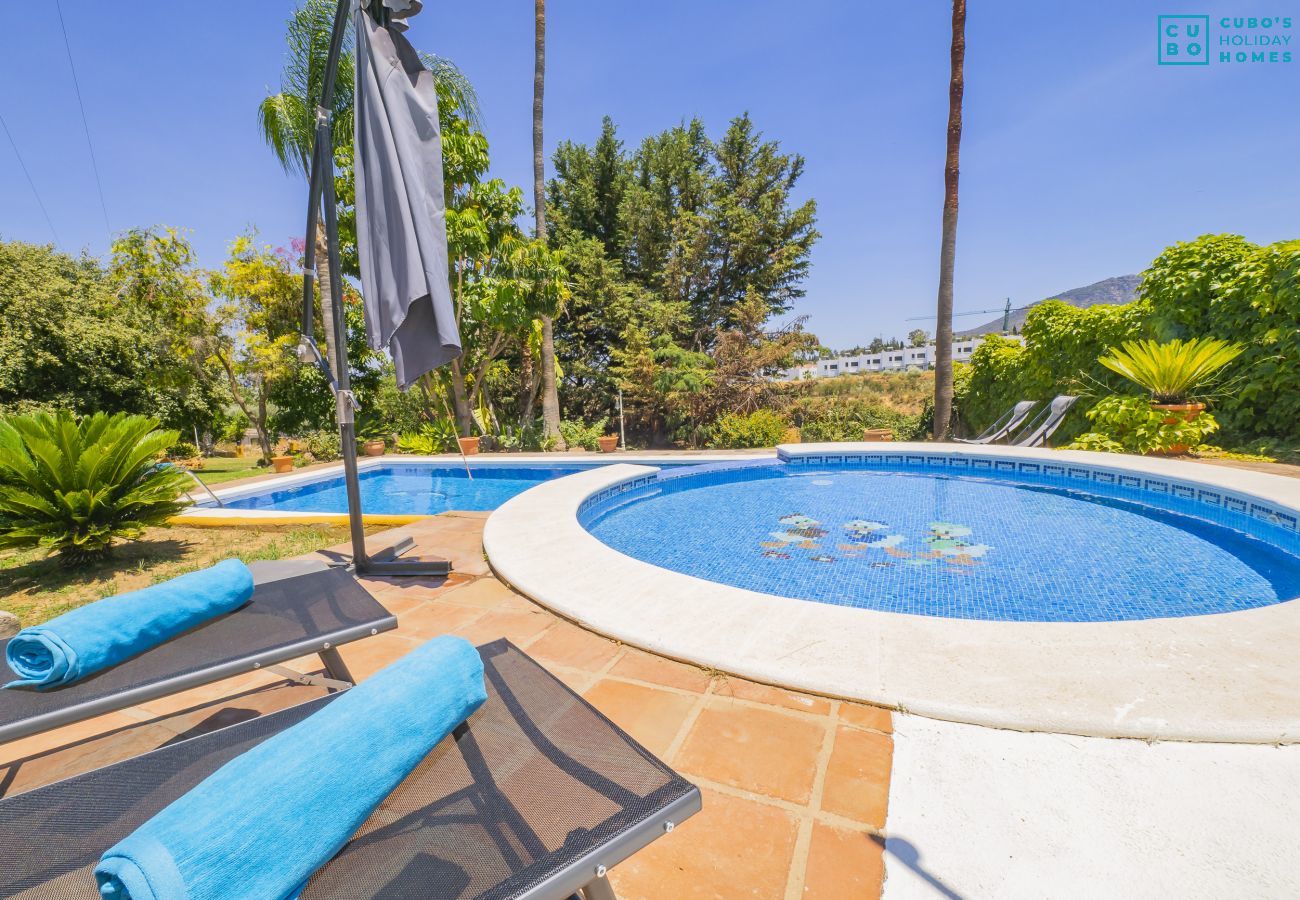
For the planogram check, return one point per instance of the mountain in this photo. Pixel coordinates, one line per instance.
(1122, 289)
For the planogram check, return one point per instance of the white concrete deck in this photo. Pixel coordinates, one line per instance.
(1228, 677)
(978, 812)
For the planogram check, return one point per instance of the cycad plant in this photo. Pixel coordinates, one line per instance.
(75, 486)
(1174, 372)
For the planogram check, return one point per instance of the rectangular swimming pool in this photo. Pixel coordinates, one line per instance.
(409, 488)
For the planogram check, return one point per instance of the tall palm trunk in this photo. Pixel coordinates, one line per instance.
(550, 392)
(948, 250)
(326, 297)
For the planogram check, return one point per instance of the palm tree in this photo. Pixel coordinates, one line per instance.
(288, 119)
(550, 392)
(948, 249)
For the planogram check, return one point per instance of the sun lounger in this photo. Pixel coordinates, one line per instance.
(535, 796)
(298, 608)
(1004, 425)
(1044, 425)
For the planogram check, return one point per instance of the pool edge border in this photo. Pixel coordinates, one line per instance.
(954, 669)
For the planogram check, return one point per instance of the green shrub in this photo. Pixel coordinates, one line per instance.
(1063, 344)
(1174, 372)
(735, 431)
(182, 450)
(576, 434)
(438, 436)
(75, 486)
(531, 438)
(323, 445)
(1223, 286)
(1130, 425)
(829, 419)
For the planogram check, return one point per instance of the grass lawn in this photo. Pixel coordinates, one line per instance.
(35, 587)
(217, 469)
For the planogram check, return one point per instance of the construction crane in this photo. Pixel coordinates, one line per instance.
(1006, 315)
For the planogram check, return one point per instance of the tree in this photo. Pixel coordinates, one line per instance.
(80, 336)
(255, 327)
(550, 395)
(877, 345)
(948, 248)
(918, 337)
(666, 244)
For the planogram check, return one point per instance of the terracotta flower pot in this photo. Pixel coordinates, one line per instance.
(1187, 412)
(468, 445)
(374, 447)
(608, 443)
(878, 434)
(282, 464)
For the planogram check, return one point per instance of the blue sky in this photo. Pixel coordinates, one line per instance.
(1081, 157)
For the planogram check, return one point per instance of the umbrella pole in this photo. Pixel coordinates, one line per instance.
(321, 191)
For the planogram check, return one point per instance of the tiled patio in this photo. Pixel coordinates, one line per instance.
(795, 787)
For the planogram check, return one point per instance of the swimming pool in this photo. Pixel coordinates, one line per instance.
(411, 487)
(407, 488)
(1010, 545)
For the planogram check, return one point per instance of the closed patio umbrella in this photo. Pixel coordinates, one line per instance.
(401, 229)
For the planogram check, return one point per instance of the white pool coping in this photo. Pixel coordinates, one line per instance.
(1230, 677)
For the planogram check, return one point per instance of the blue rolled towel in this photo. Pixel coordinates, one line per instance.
(105, 633)
(260, 825)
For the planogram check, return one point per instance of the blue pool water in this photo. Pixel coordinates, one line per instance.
(947, 545)
(410, 488)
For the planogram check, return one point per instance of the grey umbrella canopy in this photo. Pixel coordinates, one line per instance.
(401, 219)
(401, 233)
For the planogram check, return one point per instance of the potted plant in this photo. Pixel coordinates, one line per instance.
(282, 464)
(1175, 374)
(608, 443)
(878, 434)
(371, 432)
(468, 445)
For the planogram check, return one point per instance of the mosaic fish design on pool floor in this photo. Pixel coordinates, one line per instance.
(946, 541)
(800, 531)
(943, 542)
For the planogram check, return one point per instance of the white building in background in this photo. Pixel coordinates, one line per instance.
(885, 361)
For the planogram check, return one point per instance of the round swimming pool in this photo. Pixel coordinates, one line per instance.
(1007, 546)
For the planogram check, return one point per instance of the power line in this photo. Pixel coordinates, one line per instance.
(32, 184)
(94, 166)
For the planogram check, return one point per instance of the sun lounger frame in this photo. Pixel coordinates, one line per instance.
(323, 644)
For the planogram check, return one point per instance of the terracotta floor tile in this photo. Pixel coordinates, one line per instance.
(467, 562)
(488, 593)
(857, 777)
(843, 862)
(762, 693)
(568, 645)
(577, 679)
(83, 756)
(430, 620)
(68, 735)
(733, 848)
(164, 706)
(520, 626)
(419, 588)
(875, 717)
(652, 716)
(761, 750)
(644, 666)
(365, 658)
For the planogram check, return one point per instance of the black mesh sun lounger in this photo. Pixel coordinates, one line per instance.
(297, 609)
(533, 797)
